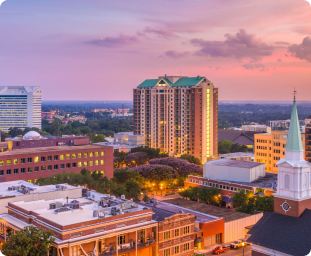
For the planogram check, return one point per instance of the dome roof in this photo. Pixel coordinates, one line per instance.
(31, 135)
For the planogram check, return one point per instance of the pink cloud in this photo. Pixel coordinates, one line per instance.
(159, 32)
(119, 41)
(238, 46)
(302, 51)
(176, 55)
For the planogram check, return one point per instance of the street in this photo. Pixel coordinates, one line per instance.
(238, 252)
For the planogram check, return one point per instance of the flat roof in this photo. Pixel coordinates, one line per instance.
(84, 213)
(233, 163)
(211, 210)
(237, 154)
(34, 189)
(49, 149)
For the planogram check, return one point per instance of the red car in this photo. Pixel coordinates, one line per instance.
(219, 249)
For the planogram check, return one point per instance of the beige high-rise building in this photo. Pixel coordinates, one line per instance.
(269, 148)
(178, 114)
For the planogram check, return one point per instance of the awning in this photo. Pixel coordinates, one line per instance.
(225, 198)
(230, 200)
(198, 240)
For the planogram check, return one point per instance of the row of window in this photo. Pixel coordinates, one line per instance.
(50, 158)
(51, 167)
(216, 185)
(167, 234)
(167, 252)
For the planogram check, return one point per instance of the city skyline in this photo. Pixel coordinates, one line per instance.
(96, 50)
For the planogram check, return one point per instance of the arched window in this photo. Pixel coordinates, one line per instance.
(286, 181)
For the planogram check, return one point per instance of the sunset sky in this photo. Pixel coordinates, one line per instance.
(102, 49)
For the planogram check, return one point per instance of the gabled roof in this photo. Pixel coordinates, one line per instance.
(183, 81)
(283, 233)
(294, 142)
(236, 136)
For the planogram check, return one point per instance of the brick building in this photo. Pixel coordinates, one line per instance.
(308, 139)
(34, 157)
(178, 115)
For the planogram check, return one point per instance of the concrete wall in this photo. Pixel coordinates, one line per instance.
(235, 230)
(232, 173)
(71, 193)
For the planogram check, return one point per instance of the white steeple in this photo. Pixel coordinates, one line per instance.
(293, 171)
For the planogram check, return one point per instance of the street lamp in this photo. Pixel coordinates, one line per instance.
(161, 190)
(243, 247)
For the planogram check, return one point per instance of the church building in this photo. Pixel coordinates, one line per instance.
(287, 230)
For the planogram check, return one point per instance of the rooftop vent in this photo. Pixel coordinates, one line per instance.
(62, 209)
(56, 205)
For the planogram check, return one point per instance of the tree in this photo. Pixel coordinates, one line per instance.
(238, 148)
(155, 173)
(181, 166)
(14, 131)
(241, 198)
(136, 159)
(191, 159)
(98, 138)
(151, 152)
(146, 198)
(29, 241)
(118, 159)
(257, 203)
(133, 190)
(124, 174)
(224, 147)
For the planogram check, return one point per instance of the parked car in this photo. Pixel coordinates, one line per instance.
(219, 249)
(237, 244)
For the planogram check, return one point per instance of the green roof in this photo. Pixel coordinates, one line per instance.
(294, 141)
(148, 83)
(188, 81)
(184, 81)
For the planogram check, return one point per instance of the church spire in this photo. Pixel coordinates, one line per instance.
(294, 142)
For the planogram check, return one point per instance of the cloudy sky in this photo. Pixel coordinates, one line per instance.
(102, 49)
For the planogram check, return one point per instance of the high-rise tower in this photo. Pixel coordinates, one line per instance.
(178, 114)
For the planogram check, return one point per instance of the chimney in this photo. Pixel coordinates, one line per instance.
(67, 199)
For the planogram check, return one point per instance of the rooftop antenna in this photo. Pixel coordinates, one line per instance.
(295, 93)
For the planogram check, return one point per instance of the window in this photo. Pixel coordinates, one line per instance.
(30, 181)
(79, 164)
(37, 169)
(85, 154)
(102, 172)
(79, 155)
(73, 156)
(67, 156)
(91, 154)
(186, 246)
(91, 163)
(167, 235)
(49, 158)
(43, 168)
(29, 169)
(15, 171)
(67, 165)
(102, 161)
(8, 172)
(42, 158)
(176, 249)
(176, 232)
(102, 153)
(1, 173)
(55, 157)
(15, 161)
(23, 170)
(49, 167)
(61, 157)
(85, 163)
(218, 238)
(167, 252)
(36, 159)
(55, 166)
(8, 162)
(286, 181)
(1, 162)
(29, 160)
(62, 166)
(74, 164)
(121, 239)
(96, 162)
(220, 186)
(96, 153)
(186, 230)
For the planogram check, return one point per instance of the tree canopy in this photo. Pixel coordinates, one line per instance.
(191, 159)
(257, 203)
(28, 241)
(226, 146)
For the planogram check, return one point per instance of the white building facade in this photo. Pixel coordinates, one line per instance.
(20, 106)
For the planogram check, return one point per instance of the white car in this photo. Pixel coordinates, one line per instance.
(237, 244)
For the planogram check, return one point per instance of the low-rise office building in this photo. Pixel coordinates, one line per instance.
(34, 157)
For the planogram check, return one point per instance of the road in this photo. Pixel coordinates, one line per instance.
(238, 252)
